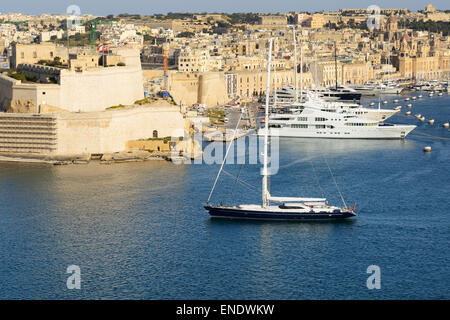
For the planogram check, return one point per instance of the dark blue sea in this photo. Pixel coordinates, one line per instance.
(139, 231)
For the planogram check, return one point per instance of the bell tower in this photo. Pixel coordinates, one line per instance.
(404, 59)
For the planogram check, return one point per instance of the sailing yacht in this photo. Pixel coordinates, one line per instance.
(285, 208)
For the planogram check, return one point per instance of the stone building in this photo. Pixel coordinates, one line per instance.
(316, 21)
(84, 86)
(193, 60)
(267, 20)
(324, 72)
(356, 73)
(419, 60)
(33, 53)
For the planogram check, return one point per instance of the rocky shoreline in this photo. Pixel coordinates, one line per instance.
(106, 158)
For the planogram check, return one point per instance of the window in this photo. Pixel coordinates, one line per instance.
(155, 133)
(299, 126)
(321, 119)
(302, 119)
(361, 124)
(320, 126)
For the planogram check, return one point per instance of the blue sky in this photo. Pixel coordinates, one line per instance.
(103, 7)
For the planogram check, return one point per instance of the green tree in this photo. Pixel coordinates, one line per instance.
(186, 34)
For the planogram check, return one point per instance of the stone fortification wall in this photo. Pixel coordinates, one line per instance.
(98, 89)
(87, 91)
(108, 131)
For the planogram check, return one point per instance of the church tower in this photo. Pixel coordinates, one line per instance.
(404, 59)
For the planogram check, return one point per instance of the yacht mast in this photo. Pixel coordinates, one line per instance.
(315, 67)
(295, 65)
(275, 87)
(335, 63)
(389, 61)
(301, 71)
(265, 191)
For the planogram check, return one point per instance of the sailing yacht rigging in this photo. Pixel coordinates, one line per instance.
(289, 208)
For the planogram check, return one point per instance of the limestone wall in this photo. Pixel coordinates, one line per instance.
(16, 96)
(6, 92)
(108, 131)
(130, 56)
(154, 145)
(43, 73)
(184, 87)
(212, 89)
(98, 89)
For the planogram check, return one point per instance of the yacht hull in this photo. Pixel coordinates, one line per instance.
(239, 213)
(374, 92)
(375, 132)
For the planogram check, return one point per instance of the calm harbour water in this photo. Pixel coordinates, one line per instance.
(139, 231)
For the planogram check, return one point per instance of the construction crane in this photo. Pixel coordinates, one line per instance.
(166, 66)
(249, 32)
(92, 27)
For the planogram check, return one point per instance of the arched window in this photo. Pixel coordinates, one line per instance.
(155, 133)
